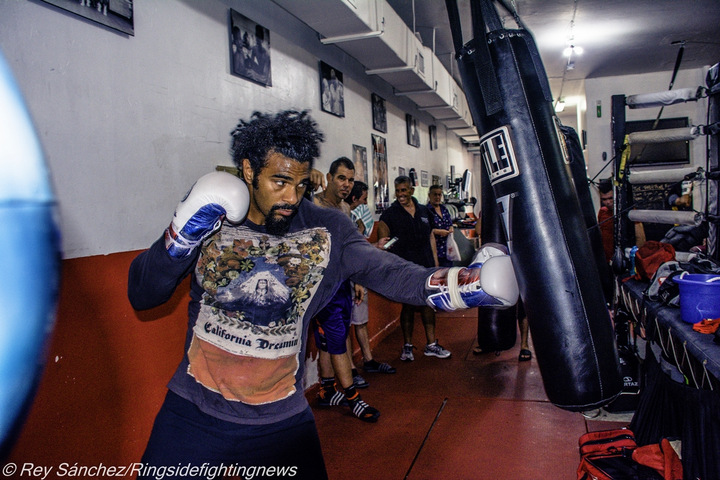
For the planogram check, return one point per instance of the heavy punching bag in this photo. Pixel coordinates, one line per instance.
(29, 260)
(579, 176)
(496, 330)
(524, 151)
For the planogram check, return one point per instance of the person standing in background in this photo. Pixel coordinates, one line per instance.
(363, 218)
(442, 224)
(332, 324)
(411, 223)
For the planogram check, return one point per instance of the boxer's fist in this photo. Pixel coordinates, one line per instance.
(215, 196)
(489, 281)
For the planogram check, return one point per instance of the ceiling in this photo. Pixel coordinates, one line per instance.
(619, 37)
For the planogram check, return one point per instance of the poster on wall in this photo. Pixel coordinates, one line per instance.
(360, 161)
(380, 182)
(116, 14)
(424, 178)
(249, 49)
(332, 93)
(413, 134)
(379, 114)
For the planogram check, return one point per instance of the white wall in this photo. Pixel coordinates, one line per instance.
(599, 136)
(128, 123)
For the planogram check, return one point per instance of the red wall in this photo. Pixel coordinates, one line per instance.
(107, 367)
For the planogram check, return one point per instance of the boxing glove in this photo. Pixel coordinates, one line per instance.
(214, 197)
(489, 281)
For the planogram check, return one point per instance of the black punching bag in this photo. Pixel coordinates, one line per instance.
(527, 162)
(496, 329)
(579, 175)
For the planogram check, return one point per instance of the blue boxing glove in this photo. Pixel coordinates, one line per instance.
(214, 197)
(489, 281)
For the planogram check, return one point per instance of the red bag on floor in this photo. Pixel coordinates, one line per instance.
(650, 256)
(607, 455)
(662, 458)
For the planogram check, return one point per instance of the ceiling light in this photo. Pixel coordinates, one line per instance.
(560, 105)
(573, 50)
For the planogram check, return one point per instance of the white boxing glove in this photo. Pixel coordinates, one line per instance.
(489, 281)
(212, 198)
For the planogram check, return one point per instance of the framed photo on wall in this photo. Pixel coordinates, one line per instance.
(380, 180)
(332, 94)
(432, 129)
(435, 180)
(249, 49)
(424, 178)
(401, 171)
(360, 160)
(413, 134)
(117, 14)
(379, 113)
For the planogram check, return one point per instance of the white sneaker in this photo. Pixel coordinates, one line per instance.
(407, 354)
(436, 350)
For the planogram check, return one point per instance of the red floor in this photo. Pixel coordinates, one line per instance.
(468, 417)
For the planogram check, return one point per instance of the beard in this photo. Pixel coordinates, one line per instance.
(278, 224)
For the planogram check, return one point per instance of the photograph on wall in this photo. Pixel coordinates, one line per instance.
(433, 137)
(249, 49)
(424, 178)
(435, 180)
(116, 14)
(401, 171)
(332, 95)
(379, 113)
(413, 134)
(380, 180)
(360, 160)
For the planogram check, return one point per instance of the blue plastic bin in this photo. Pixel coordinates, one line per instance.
(699, 297)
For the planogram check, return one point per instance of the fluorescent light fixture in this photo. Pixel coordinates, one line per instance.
(560, 105)
(588, 33)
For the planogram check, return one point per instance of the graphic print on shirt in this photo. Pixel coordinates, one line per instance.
(247, 337)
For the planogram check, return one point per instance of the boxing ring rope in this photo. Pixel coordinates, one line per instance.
(671, 217)
(674, 175)
(659, 99)
(663, 136)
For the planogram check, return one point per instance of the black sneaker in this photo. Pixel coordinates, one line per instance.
(329, 397)
(362, 410)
